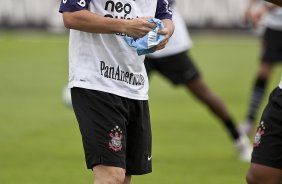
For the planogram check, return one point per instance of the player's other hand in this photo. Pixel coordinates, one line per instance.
(257, 16)
(138, 27)
(162, 44)
(254, 17)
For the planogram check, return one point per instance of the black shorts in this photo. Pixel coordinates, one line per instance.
(272, 46)
(179, 68)
(268, 139)
(115, 130)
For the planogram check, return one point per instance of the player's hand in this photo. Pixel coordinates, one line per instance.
(257, 16)
(139, 27)
(254, 17)
(162, 44)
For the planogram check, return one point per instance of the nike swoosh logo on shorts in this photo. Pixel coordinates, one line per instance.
(149, 158)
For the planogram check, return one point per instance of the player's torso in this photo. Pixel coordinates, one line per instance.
(273, 19)
(104, 61)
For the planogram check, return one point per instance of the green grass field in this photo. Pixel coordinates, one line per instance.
(39, 138)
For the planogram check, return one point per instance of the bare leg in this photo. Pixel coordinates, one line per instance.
(216, 105)
(260, 174)
(199, 88)
(265, 70)
(127, 179)
(108, 175)
(258, 91)
(256, 97)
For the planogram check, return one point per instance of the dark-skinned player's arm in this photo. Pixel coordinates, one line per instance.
(277, 2)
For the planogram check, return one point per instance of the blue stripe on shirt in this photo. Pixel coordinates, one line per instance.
(73, 5)
(163, 10)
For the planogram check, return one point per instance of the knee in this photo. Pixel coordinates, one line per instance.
(251, 179)
(117, 177)
(109, 175)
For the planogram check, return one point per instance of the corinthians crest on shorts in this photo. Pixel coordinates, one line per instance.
(259, 133)
(115, 143)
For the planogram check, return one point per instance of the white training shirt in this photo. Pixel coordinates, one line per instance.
(105, 62)
(273, 19)
(179, 42)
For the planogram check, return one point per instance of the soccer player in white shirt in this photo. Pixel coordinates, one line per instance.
(109, 84)
(176, 65)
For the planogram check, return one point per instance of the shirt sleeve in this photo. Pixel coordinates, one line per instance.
(163, 10)
(73, 5)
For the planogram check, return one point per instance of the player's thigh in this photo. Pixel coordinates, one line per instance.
(102, 119)
(261, 174)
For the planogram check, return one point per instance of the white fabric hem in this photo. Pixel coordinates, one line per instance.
(108, 90)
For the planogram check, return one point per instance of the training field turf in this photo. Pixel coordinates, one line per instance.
(39, 138)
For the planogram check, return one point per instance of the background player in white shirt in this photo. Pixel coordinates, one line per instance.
(175, 64)
(109, 85)
(271, 54)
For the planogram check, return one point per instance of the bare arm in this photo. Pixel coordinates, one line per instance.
(277, 2)
(271, 7)
(256, 16)
(87, 21)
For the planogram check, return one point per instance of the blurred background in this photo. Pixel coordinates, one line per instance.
(39, 137)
